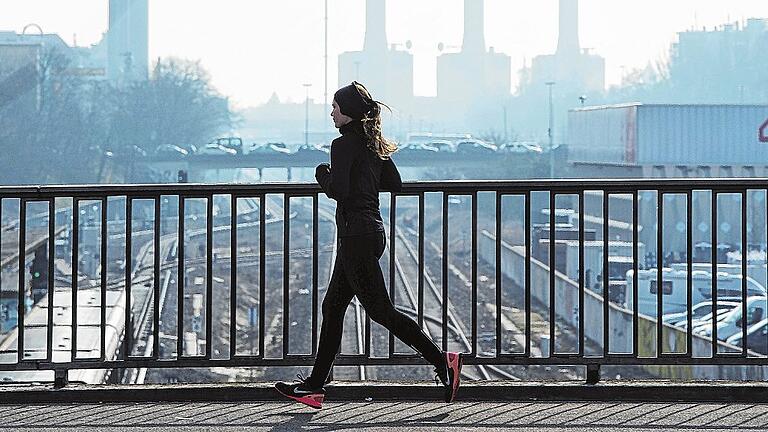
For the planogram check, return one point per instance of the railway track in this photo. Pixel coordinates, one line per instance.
(455, 325)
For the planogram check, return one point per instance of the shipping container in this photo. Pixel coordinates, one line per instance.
(638, 134)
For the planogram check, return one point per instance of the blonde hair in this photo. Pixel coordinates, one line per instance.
(375, 140)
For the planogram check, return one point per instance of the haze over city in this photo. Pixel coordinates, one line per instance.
(563, 191)
(253, 49)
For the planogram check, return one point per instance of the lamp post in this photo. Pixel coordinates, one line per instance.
(506, 132)
(41, 79)
(551, 131)
(325, 65)
(306, 115)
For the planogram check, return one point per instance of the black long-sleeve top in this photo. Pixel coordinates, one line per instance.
(354, 179)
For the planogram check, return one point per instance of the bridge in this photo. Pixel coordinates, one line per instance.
(232, 293)
(406, 158)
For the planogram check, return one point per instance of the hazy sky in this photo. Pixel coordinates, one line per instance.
(255, 47)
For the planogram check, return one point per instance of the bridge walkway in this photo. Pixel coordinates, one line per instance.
(384, 416)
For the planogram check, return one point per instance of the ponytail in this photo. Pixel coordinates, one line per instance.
(375, 140)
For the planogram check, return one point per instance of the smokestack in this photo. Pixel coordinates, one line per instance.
(474, 26)
(375, 26)
(568, 39)
(127, 40)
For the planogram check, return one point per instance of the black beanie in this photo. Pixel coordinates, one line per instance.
(351, 102)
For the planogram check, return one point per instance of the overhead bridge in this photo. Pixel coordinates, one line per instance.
(472, 162)
(154, 279)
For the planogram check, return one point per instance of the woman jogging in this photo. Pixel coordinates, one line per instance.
(361, 167)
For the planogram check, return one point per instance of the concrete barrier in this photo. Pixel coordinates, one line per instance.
(620, 333)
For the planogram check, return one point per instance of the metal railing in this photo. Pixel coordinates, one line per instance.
(122, 329)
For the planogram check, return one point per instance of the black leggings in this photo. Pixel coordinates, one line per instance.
(356, 272)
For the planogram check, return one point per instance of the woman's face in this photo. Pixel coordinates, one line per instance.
(339, 119)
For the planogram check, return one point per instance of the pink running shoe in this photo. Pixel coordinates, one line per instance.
(300, 392)
(453, 365)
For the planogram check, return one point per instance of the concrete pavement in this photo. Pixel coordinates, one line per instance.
(384, 416)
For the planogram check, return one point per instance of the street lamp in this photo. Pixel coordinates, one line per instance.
(325, 76)
(41, 80)
(551, 131)
(306, 115)
(506, 133)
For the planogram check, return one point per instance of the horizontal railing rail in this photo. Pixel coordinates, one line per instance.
(229, 275)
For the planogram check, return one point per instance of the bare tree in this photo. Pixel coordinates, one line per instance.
(177, 105)
(45, 131)
(56, 126)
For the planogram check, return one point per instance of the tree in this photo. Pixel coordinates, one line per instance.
(58, 127)
(47, 131)
(177, 105)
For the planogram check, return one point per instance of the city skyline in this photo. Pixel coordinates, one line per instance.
(242, 77)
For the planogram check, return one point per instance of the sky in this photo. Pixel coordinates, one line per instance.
(252, 48)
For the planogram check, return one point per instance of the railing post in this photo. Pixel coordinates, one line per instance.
(60, 378)
(593, 373)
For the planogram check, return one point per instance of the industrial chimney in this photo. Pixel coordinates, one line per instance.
(127, 40)
(375, 26)
(474, 27)
(568, 39)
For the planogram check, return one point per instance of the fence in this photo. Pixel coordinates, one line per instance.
(108, 298)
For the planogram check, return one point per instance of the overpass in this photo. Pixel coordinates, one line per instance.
(406, 158)
(244, 293)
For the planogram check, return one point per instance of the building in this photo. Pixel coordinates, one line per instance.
(281, 121)
(474, 80)
(721, 65)
(91, 62)
(473, 73)
(384, 69)
(574, 70)
(23, 57)
(128, 40)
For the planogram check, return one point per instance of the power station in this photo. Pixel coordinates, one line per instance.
(128, 40)
(387, 71)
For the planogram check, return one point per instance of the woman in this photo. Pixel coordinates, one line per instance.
(361, 167)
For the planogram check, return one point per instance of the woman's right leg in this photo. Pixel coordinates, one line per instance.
(361, 263)
(335, 303)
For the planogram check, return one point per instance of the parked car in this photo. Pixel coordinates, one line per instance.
(674, 288)
(279, 147)
(234, 143)
(521, 147)
(216, 149)
(757, 337)
(138, 151)
(731, 323)
(442, 145)
(259, 149)
(704, 321)
(474, 146)
(699, 311)
(171, 150)
(313, 150)
(417, 150)
(424, 147)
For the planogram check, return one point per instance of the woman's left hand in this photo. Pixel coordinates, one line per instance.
(322, 168)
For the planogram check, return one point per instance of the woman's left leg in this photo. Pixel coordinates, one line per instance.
(310, 391)
(334, 306)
